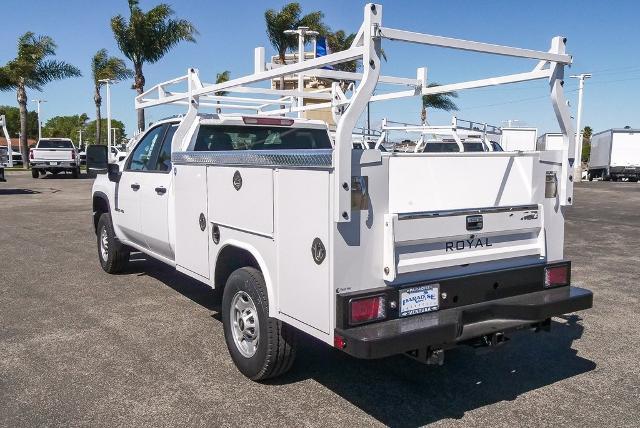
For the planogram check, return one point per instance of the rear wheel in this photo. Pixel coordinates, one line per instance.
(75, 172)
(34, 173)
(113, 256)
(261, 347)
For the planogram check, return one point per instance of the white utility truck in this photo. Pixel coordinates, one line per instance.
(6, 153)
(54, 155)
(375, 253)
(4, 162)
(460, 136)
(518, 139)
(615, 155)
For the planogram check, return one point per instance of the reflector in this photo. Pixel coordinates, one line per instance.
(367, 309)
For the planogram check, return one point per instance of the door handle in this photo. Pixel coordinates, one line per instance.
(161, 190)
(135, 187)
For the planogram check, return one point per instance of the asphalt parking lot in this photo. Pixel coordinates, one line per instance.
(80, 347)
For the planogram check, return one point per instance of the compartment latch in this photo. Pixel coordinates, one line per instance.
(474, 222)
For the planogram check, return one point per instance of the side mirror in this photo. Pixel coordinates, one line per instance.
(113, 170)
(97, 159)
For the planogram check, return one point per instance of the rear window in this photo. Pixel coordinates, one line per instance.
(212, 138)
(453, 147)
(473, 147)
(55, 144)
(441, 147)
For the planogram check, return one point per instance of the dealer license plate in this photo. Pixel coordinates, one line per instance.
(417, 300)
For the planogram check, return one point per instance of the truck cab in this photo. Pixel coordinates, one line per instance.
(375, 253)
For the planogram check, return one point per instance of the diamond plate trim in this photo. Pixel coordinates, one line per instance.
(322, 158)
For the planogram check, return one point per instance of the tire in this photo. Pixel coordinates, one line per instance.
(75, 172)
(113, 256)
(590, 176)
(273, 350)
(34, 173)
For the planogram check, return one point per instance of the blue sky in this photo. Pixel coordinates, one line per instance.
(603, 37)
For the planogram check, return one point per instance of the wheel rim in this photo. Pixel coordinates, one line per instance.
(245, 326)
(104, 244)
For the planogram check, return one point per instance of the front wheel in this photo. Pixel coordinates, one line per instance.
(34, 173)
(261, 347)
(113, 256)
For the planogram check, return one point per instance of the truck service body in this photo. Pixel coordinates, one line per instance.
(376, 253)
(615, 154)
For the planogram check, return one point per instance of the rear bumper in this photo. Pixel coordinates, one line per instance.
(450, 326)
(48, 164)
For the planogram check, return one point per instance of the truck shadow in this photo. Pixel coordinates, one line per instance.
(18, 192)
(400, 392)
(65, 176)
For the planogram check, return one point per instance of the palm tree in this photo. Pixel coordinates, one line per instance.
(147, 37)
(288, 18)
(32, 68)
(103, 67)
(221, 78)
(441, 101)
(340, 41)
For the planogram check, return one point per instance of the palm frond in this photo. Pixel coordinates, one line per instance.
(441, 101)
(50, 70)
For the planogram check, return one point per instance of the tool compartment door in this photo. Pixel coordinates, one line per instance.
(302, 217)
(192, 240)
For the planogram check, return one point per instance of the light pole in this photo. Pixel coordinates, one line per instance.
(107, 83)
(80, 142)
(578, 155)
(302, 32)
(38, 102)
(115, 132)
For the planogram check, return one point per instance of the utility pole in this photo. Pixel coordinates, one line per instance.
(578, 155)
(107, 83)
(38, 102)
(80, 142)
(302, 32)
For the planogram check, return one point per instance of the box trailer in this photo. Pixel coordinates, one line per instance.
(519, 139)
(615, 155)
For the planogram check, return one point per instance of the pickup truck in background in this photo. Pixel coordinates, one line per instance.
(54, 155)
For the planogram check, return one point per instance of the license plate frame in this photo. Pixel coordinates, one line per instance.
(419, 300)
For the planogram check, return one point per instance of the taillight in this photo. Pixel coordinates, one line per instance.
(73, 155)
(367, 309)
(556, 276)
(267, 121)
(31, 154)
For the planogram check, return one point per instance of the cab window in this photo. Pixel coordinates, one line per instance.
(141, 158)
(163, 164)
